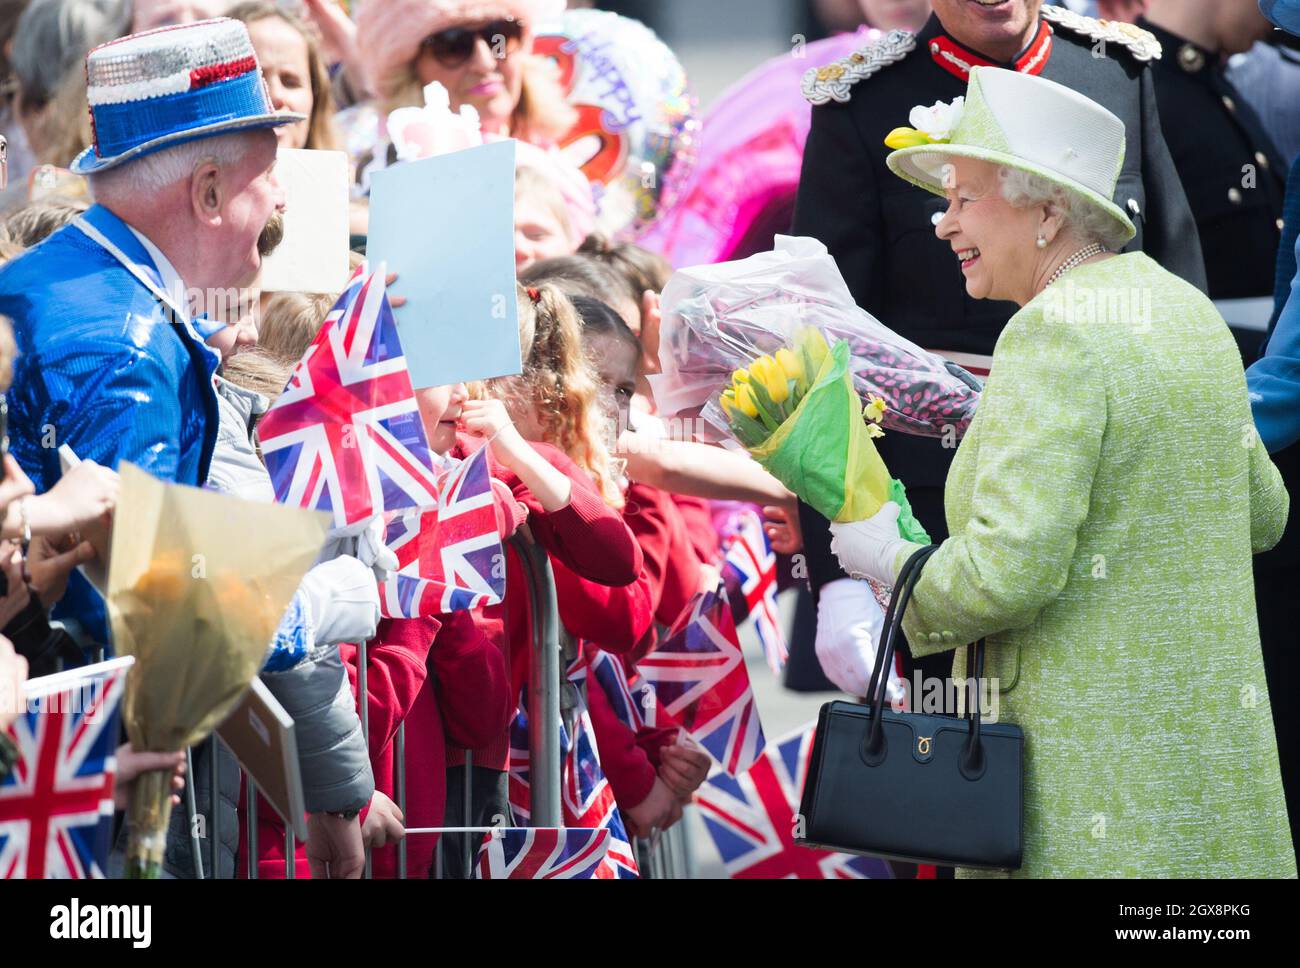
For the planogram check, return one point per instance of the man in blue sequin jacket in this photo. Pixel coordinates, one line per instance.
(112, 355)
(117, 362)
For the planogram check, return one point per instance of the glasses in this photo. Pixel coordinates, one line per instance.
(454, 46)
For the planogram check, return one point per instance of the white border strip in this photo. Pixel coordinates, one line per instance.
(177, 83)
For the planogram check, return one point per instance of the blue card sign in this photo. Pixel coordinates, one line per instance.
(445, 225)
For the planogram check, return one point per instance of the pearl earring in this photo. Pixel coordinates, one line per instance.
(1042, 242)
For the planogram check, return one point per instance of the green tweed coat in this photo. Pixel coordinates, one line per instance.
(1104, 506)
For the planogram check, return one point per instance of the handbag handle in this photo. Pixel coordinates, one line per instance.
(907, 577)
(972, 760)
(902, 593)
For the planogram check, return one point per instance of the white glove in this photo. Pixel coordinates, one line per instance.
(372, 551)
(341, 599)
(849, 622)
(867, 549)
(366, 545)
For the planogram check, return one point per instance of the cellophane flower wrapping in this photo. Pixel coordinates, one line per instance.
(197, 584)
(798, 415)
(720, 318)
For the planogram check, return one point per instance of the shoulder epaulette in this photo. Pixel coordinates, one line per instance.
(1142, 44)
(834, 81)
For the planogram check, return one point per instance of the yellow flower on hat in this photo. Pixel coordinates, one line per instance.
(906, 138)
(931, 125)
(874, 410)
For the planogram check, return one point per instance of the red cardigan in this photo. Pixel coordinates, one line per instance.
(664, 536)
(631, 759)
(703, 536)
(586, 539)
(445, 680)
(620, 620)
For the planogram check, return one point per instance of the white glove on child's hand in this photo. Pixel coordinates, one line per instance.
(867, 549)
(341, 599)
(372, 551)
(366, 545)
(849, 622)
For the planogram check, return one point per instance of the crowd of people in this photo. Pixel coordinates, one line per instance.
(1114, 524)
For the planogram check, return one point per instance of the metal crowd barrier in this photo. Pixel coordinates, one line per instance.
(667, 854)
(543, 684)
(544, 691)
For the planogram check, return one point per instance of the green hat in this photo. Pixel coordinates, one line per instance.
(1024, 122)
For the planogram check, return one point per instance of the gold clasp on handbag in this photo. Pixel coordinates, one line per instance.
(923, 745)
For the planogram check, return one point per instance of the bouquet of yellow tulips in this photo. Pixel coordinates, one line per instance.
(720, 317)
(798, 414)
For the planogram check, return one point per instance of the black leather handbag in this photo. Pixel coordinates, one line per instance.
(911, 787)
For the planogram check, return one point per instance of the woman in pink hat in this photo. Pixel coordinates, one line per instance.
(479, 50)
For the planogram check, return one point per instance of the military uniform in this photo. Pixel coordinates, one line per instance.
(1232, 173)
(881, 230)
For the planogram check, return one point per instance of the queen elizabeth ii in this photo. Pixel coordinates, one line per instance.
(1103, 509)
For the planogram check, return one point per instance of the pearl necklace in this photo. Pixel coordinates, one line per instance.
(1080, 257)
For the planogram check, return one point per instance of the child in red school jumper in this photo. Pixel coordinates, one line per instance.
(467, 700)
(553, 406)
(445, 677)
(441, 676)
(620, 618)
(557, 401)
(622, 331)
(651, 775)
(644, 799)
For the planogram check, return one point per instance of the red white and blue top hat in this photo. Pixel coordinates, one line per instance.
(163, 87)
(1284, 13)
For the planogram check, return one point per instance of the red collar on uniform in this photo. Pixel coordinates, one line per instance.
(957, 60)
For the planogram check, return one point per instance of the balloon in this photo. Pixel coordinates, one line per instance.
(635, 134)
(750, 153)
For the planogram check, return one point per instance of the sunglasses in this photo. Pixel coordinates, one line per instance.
(456, 45)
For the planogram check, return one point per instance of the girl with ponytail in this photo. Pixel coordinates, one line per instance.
(557, 398)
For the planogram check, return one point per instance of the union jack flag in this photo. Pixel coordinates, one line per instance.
(751, 819)
(611, 677)
(748, 555)
(587, 799)
(701, 682)
(542, 853)
(56, 804)
(646, 702)
(448, 557)
(632, 699)
(345, 436)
